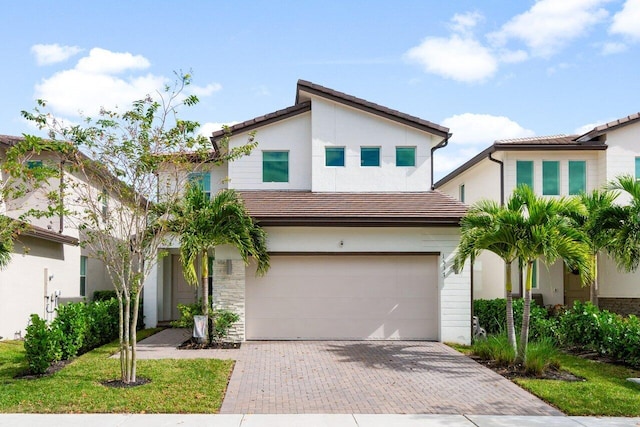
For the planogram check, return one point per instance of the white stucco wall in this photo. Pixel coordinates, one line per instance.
(621, 154)
(614, 282)
(336, 125)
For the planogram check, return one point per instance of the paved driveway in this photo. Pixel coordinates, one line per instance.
(365, 377)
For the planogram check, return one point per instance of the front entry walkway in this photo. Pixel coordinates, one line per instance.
(355, 377)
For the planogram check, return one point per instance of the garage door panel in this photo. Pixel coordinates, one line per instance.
(350, 297)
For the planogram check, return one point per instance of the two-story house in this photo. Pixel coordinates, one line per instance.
(553, 166)
(48, 266)
(360, 245)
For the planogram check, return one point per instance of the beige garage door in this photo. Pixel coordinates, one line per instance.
(344, 297)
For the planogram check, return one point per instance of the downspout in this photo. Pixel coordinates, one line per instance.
(441, 144)
(501, 163)
(61, 213)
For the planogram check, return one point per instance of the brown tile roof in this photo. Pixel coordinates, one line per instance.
(9, 140)
(540, 140)
(257, 122)
(430, 208)
(52, 236)
(602, 129)
(370, 107)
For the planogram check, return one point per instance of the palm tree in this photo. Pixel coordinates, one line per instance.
(489, 226)
(549, 233)
(205, 223)
(625, 243)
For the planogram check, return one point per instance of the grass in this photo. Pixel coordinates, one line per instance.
(177, 386)
(605, 392)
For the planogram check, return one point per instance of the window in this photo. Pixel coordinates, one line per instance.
(83, 276)
(369, 156)
(104, 199)
(275, 166)
(405, 156)
(32, 164)
(551, 178)
(534, 277)
(334, 156)
(461, 192)
(210, 260)
(524, 172)
(637, 168)
(577, 176)
(202, 180)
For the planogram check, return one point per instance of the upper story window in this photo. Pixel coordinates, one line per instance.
(637, 167)
(275, 166)
(202, 180)
(524, 172)
(83, 275)
(334, 156)
(577, 176)
(551, 178)
(32, 164)
(405, 156)
(369, 156)
(461, 193)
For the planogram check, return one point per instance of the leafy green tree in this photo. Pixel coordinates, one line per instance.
(204, 223)
(625, 244)
(489, 226)
(112, 186)
(548, 233)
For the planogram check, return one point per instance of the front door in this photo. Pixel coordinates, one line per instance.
(573, 289)
(181, 292)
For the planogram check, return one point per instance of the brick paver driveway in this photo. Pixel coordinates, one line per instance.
(394, 377)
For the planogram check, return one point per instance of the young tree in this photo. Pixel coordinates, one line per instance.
(204, 223)
(116, 158)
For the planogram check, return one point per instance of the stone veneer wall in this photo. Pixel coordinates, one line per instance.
(228, 293)
(623, 306)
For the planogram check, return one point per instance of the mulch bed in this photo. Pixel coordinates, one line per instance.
(55, 367)
(513, 372)
(121, 384)
(193, 344)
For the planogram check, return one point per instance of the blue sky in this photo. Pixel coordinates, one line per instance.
(488, 70)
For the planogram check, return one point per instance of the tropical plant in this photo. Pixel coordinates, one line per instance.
(204, 223)
(625, 243)
(548, 233)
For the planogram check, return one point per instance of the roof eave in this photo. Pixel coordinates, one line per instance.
(272, 221)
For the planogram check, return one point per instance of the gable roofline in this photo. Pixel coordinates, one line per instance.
(369, 107)
(603, 129)
(540, 143)
(267, 119)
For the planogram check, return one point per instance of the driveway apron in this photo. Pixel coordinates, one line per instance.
(369, 377)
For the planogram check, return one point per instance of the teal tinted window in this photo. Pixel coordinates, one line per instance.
(83, 275)
(461, 189)
(32, 164)
(534, 276)
(551, 178)
(275, 166)
(334, 156)
(524, 172)
(637, 167)
(577, 176)
(202, 180)
(405, 156)
(369, 156)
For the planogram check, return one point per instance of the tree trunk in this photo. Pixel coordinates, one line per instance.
(205, 291)
(526, 314)
(127, 337)
(593, 292)
(134, 335)
(123, 366)
(511, 330)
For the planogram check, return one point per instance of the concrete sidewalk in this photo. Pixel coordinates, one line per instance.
(308, 420)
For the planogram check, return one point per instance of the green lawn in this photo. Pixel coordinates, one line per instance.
(177, 386)
(605, 392)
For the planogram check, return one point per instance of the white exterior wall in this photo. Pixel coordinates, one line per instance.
(454, 291)
(292, 135)
(336, 125)
(22, 282)
(616, 283)
(621, 154)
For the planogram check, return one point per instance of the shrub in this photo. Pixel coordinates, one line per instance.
(223, 319)
(495, 347)
(492, 315)
(102, 317)
(104, 295)
(187, 311)
(541, 355)
(71, 320)
(41, 346)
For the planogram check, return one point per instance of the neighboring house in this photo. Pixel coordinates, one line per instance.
(360, 245)
(48, 266)
(553, 166)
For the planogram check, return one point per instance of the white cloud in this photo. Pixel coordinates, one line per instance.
(627, 21)
(483, 129)
(611, 48)
(207, 90)
(463, 23)
(53, 53)
(206, 129)
(450, 158)
(102, 61)
(513, 56)
(459, 58)
(551, 24)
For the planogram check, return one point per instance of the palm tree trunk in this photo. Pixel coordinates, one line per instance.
(593, 292)
(526, 314)
(511, 330)
(205, 290)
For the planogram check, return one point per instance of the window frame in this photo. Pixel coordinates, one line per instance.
(84, 261)
(461, 195)
(570, 180)
(637, 168)
(413, 153)
(547, 181)
(272, 162)
(335, 150)
(369, 148)
(519, 180)
(203, 180)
